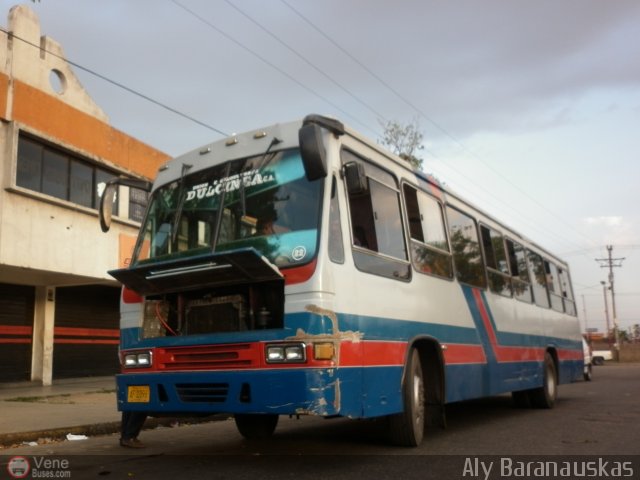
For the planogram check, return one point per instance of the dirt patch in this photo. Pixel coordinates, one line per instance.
(85, 398)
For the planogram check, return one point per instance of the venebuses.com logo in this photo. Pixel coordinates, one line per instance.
(18, 467)
(38, 467)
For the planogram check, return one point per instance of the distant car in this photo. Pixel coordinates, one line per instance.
(586, 350)
(599, 356)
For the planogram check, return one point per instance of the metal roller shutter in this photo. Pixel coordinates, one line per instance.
(16, 329)
(86, 333)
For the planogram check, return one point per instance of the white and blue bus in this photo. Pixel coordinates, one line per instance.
(303, 269)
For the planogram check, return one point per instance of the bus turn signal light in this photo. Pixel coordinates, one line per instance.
(323, 351)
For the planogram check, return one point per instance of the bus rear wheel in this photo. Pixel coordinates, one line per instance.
(545, 396)
(253, 426)
(407, 428)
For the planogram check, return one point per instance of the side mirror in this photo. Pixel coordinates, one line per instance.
(109, 194)
(314, 156)
(106, 205)
(355, 178)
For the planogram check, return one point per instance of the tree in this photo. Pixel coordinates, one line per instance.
(403, 140)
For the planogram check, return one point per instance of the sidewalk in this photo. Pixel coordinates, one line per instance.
(30, 411)
(81, 406)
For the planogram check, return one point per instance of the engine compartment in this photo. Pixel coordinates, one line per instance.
(214, 309)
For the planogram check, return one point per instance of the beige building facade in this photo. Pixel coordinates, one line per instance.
(58, 305)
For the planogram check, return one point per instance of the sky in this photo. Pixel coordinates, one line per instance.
(529, 109)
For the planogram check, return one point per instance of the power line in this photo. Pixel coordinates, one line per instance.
(428, 118)
(370, 108)
(305, 60)
(267, 62)
(117, 84)
(353, 58)
(522, 217)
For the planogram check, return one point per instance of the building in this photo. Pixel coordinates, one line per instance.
(58, 305)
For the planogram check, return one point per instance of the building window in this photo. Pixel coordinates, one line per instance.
(45, 169)
(138, 200)
(81, 184)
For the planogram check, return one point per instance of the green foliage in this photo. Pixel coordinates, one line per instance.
(405, 140)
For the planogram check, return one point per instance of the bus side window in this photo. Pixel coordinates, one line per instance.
(465, 246)
(539, 277)
(567, 292)
(429, 246)
(553, 284)
(496, 259)
(336, 248)
(376, 224)
(519, 271)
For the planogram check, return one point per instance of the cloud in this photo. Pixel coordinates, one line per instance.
(612, 229)
(611, 221)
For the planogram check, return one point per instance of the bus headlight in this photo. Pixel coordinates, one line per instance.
(137, 360)
(286, 353)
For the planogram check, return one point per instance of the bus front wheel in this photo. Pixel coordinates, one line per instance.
(256, 426)
(407, 428)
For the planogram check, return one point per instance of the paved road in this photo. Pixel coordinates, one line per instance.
(590, 418)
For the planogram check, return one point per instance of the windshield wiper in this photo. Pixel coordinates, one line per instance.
(264, 161)
(223, 194)
(181, 198)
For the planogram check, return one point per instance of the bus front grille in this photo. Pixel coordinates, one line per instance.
(203, 392)
(208, 357)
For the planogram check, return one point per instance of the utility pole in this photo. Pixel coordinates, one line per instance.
(610, 263)
(606, 311)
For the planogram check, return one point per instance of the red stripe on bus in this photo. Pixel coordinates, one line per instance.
(372, 353)
(87, 332)
(477, 295)
(504, 354)
(15, 330)
(570, 354)
(301, 274)
(379, 353)
(460, 354)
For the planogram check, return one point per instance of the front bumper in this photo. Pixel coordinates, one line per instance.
(315, 391)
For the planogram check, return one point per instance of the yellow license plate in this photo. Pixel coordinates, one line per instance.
(138, 394)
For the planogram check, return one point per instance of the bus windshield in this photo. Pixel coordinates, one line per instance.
(268, 205)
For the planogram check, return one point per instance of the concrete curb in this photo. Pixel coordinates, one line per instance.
(106, 428)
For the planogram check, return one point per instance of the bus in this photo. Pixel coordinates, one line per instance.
(302, 269)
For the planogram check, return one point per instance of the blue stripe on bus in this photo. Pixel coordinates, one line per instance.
(480, 328)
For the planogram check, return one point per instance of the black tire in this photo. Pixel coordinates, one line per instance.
(521, 399)
(598, 361)
(407, 428)
(256, 426)
(588, 374)
(545, 396)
